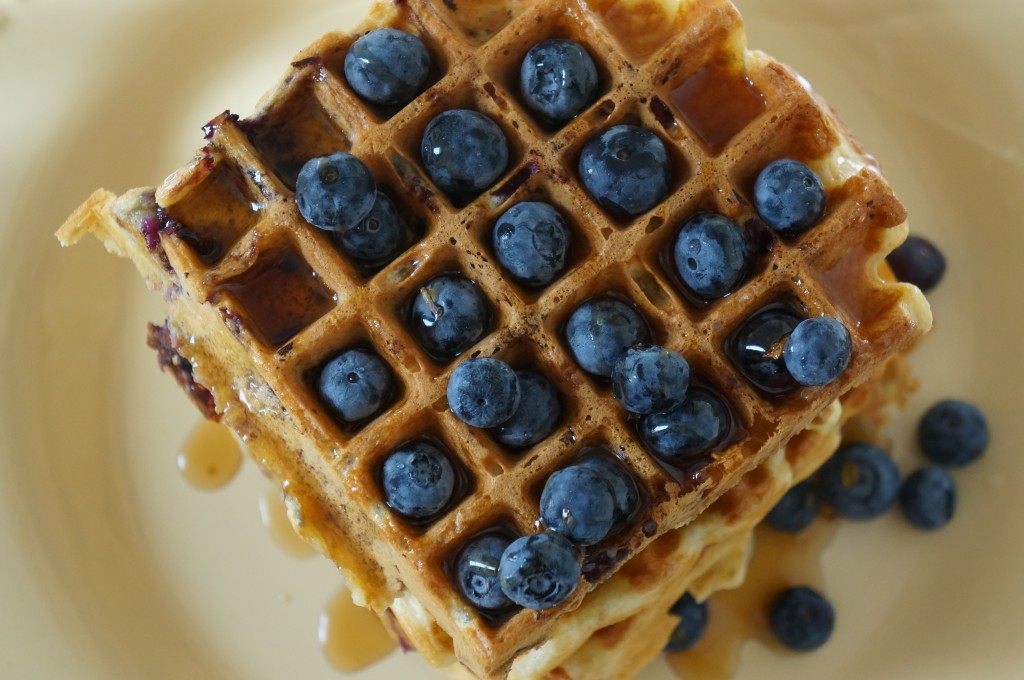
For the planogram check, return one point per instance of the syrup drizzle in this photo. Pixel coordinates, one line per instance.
(779, 561)
(275, 519)
(210, 457)
(352, 637)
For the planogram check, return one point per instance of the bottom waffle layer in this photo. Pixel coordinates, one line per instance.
(619, 627)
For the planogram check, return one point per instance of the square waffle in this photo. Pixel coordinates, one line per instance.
(258, 299)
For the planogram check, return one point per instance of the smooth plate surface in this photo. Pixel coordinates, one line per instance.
(111, 566)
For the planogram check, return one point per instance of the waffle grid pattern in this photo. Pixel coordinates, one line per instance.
(238, 194)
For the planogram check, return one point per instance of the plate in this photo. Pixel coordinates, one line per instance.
(114, 567)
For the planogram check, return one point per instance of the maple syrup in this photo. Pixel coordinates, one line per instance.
(352, 637)
(780, 561)
(280, 295)
(718, 101)
(210, 456)
(275, 518)
(640, 26)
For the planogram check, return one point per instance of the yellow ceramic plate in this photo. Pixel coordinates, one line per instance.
(113, 567)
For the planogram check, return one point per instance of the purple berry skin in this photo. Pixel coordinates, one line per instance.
(919, 262)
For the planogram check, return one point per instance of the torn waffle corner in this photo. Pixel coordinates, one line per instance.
(258, 299)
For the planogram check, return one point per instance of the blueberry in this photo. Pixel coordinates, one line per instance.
(558, 80)
(953, 432)
(693, 621)
(355, 384)
(539, 571)
(483, 392)
(335, 192)
(796, 510)
(928, 498)
(531, 242)
(917, 261)
(802, 619)
(694, 429)
(757, 347)
(600, 331)
(624, 488)
(711, 255)
(650, 379)
(817, 351)
(418, 480)
(860, 481)
(535, 418)
(378, 237)
(449, 315)
(464, 152)
(789, 196)
(477, 572)
(578, 503)
(387, 67)
(626, 169)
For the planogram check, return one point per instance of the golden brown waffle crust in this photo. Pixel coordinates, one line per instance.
(236, 194)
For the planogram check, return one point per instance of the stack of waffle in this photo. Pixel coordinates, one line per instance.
(258, 300)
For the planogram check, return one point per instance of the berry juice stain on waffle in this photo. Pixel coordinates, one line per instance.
(534, 317)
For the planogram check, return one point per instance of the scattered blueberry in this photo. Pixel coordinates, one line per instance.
(378, 237)
(449, 315)
(335, 192)
(694, 429)
(860, 481)
(558, 80)
(711, 255)
(531, 242)
(624, 488)
(600, 331)
(477, 572)
(757, 347)
(483, 392)
(802, 619)
(535, 418)
(387, 67)
(626, 169)
(817, 351)
(796, 510)
(953, 432)
(418, 480)
(919, 262)
(789, 196)
(693, 621)
(650, 379)
(464, 152)
(928, 498)
(578, 503)
(539, 571)
(355, 384)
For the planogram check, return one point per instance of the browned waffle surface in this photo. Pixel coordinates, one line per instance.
(228, 241)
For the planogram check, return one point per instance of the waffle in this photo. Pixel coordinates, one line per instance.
(258, 299)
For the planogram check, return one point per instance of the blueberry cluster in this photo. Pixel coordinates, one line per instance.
(777, 349)
(520, 408)
(862, 482)
(337, 193)
(495, 572)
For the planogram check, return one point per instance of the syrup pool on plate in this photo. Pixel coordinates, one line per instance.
(780, 561)
(210, 456)
(352, 637)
